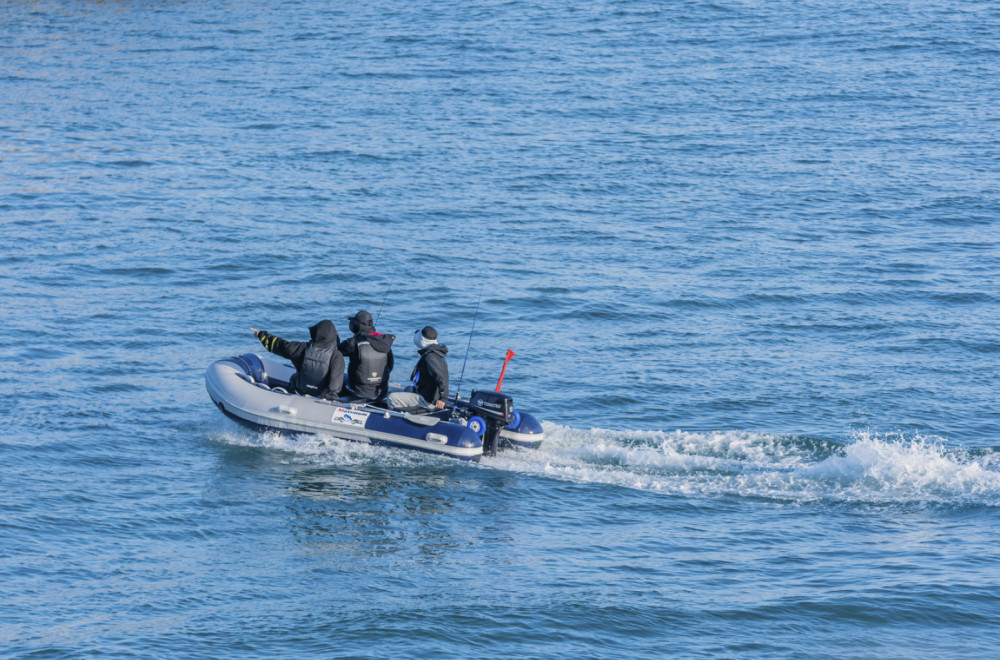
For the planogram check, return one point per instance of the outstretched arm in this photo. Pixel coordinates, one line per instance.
(276, 345)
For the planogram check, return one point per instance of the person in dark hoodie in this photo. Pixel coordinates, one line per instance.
(319, 364)
(430, 376)
(370, 360)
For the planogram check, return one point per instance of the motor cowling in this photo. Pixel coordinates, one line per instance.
(498, 410)
(252, 366)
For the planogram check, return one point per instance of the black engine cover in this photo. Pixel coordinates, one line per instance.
(490, 405)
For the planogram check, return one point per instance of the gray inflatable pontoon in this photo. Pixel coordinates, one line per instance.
(253, 390)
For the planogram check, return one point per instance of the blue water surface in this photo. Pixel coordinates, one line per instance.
(748, 255)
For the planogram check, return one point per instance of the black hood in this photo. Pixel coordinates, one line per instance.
(381, 343)
(323, 333)
(434, 348)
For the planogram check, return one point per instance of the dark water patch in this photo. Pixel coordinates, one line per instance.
(139, 272)
(959, 220)
(328, 155)
(699, 303)
(128, 164)
(980, 346)
(118, 387)
(965, 298)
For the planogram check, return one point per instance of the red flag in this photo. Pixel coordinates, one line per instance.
(510, 354)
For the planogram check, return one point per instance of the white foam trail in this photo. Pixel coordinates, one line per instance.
(869, 469)
(917, 469)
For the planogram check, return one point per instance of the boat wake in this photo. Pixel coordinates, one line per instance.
(870, 468)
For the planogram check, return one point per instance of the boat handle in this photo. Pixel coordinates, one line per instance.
(287, 409)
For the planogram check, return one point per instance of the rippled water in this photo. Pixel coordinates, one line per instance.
(747, 253)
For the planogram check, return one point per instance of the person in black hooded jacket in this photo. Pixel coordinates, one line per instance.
(370, 359)
(319, 364)
(430, 376)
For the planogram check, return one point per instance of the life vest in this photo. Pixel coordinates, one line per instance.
(367, 375)
(311, 376)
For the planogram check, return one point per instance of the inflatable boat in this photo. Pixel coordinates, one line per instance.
(254, 391)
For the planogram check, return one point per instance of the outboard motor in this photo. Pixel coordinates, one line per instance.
(498, 411)
(253, 366)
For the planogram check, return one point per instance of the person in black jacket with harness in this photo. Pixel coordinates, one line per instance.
(370, 360)
(319, 364)
(430, 376)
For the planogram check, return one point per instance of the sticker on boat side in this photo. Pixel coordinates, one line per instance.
(348, 416)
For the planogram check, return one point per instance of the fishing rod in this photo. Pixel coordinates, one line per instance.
(464, 362)
(388, 290)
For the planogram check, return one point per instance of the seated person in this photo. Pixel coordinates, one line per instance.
(370, 360)
(319, 365)
(430, 376)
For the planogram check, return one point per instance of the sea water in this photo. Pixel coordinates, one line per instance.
(747, 254)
